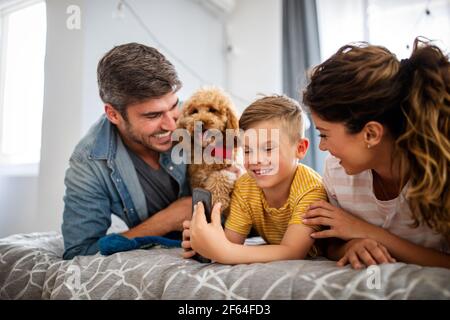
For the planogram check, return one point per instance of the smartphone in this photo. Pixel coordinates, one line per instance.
(203, 195)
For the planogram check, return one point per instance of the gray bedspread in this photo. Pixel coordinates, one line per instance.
(31, 268)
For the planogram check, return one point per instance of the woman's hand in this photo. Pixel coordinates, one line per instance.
(360, 252)
(342, 224)
(208, 239)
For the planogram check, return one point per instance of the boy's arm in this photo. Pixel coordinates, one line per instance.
(209, 240)
(234, 236)
(296, 244)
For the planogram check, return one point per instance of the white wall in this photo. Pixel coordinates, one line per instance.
(340, 29)
(61, 120)
(18, 203)
(72, 104)
(183, 26)
(255, 64)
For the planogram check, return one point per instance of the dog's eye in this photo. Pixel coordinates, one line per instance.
(194, 111)
(212, 110)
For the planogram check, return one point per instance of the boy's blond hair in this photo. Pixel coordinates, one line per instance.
(275, 107)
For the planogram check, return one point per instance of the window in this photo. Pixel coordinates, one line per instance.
(393, 24)
(22, 52)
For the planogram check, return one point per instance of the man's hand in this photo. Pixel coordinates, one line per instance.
(342, 224)
(165, 221)
(360, 252)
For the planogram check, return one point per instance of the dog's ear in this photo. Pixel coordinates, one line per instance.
(232, 120)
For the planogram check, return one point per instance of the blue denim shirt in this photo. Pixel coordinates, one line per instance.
(101, 180)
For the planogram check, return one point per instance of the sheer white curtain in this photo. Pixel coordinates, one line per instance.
(393, 24)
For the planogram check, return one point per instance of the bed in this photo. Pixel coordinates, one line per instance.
(31, 268)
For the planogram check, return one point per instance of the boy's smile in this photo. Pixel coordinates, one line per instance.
(263, 171)
(270, 157)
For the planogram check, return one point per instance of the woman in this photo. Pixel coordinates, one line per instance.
(386, 125)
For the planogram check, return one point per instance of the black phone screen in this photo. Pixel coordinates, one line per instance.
(203, 195)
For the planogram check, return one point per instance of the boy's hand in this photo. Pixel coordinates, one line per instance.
(364, 252)
(208, 239)
(186, 243)
(342, 224)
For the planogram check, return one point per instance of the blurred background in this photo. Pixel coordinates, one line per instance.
(49, 52)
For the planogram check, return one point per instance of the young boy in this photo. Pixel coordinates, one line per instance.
(271, 197)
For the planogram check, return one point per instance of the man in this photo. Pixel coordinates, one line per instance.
(123, 165)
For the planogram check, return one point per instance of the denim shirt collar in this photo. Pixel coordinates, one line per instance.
(105, 144)
(105, 148)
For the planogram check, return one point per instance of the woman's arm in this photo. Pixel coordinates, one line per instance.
(210, 241)
(409, 252)
(345, 226)
(358, 252)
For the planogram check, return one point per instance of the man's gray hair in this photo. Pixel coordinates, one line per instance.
(132, 73)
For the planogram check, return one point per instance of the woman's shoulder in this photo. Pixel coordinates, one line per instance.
(334, 173)
(333, 163)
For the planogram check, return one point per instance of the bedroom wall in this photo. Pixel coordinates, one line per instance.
(197, 44)
(194, 34)
(255, 63)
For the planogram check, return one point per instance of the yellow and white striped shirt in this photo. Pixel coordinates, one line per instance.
(249, 206)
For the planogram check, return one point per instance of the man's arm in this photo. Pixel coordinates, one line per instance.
(165, 221)
(87, 212)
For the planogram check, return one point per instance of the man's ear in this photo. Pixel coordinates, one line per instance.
(112, 114)
(302, 147)
(373, 133)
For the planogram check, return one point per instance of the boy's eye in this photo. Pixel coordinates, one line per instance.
(323, 136)
(154, 116)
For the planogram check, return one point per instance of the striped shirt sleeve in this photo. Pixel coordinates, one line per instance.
(239, 220)
(311, 196)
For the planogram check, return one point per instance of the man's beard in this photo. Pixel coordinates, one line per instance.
(131, 135)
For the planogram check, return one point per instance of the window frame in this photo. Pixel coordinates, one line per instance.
(7, 166)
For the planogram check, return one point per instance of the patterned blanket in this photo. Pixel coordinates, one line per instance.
(31, 268)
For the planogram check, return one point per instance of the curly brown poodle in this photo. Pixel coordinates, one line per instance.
(213, 109)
